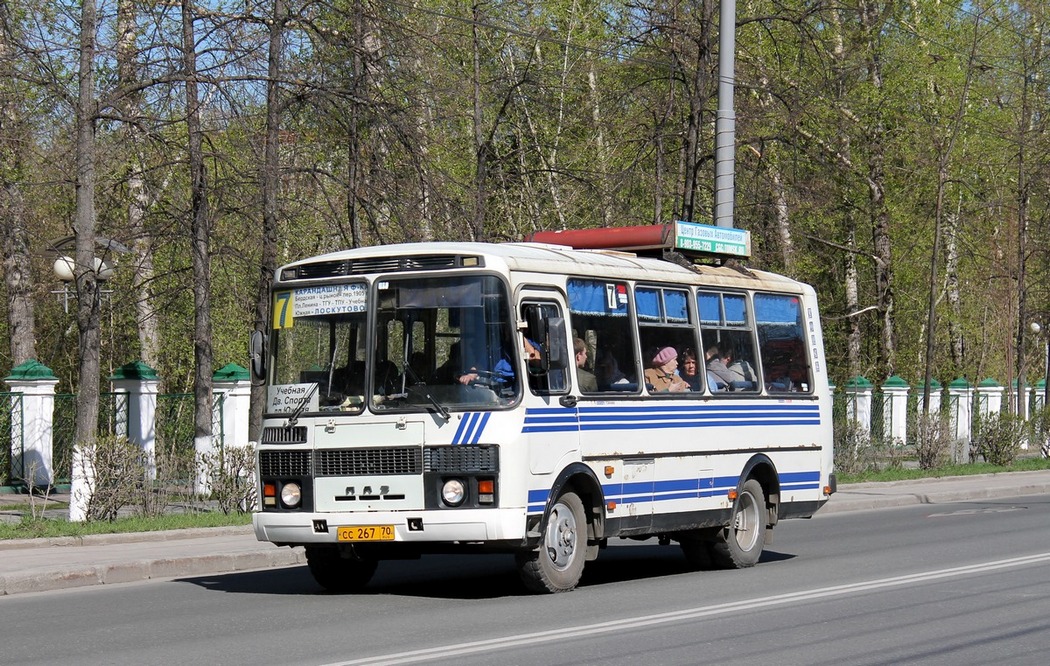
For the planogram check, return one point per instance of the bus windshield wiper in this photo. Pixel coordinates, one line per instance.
(293, 418)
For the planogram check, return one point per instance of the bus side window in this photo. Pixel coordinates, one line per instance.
(664, 322)
(782, 343)
(600, 307)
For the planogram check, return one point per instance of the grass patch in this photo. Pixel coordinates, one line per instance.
(905, 474)
(29, 528)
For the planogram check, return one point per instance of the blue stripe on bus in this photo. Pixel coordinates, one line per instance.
(471, 427)
(677, 489)
(585, 418)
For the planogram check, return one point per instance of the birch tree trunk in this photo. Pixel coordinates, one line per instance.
(82, 478)
(17, 268)
(138, 197)
(270, 180)
(201, 261)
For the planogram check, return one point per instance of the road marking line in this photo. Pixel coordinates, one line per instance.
(446, 651)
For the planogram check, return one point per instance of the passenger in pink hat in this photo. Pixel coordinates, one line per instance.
(660, 374)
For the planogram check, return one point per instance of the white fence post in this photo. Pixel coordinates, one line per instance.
(935, 397)
(989, 397)
(858, 403)
(234, 383)
(142, 385)
(895, 410)
(960, 396)
(34, 456)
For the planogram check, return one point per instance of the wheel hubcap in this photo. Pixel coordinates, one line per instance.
(745, 522)
(561, 536)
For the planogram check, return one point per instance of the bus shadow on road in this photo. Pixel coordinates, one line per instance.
(465, 577)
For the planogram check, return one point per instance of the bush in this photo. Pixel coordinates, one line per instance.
(932, 440)
(997, 438)
(118, 473)
(231, 475)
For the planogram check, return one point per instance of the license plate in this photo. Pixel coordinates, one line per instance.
(366, 533)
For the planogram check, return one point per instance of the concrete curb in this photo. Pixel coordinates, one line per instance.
(125, 537)
(46, 579)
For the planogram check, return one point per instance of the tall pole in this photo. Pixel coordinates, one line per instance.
(725, 120)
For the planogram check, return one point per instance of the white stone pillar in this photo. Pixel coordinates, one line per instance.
(989, 397)
(935, 397)
(895, 410)
(31, 445)
(234, 385)
(858, 403)
(960, 395)
(142, 385)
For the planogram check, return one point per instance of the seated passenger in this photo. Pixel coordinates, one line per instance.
(608, 376)
(743, 375)
(661, 375)
(588, 382)
(690, 369)
(718, 376)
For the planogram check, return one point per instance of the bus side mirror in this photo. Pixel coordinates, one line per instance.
(257, 355)
(557, 356)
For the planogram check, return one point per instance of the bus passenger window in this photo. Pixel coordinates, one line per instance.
(782, 343)
(600, 308)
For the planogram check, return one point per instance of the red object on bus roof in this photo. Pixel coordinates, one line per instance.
(650, 237)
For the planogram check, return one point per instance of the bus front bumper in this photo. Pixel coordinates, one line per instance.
(474, 526)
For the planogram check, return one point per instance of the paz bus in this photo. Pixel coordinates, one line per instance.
(470, 397)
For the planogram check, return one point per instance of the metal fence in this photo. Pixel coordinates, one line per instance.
(174, 427)
(12, 456)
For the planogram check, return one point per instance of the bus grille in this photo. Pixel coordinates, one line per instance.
(284, 463)
(294, 435)
(361, 462)
(464, 458)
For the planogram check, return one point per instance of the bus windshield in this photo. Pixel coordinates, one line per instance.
(439, 344)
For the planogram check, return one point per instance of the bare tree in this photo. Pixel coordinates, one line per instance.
(199, 239)
(13, 212)
(270, 181)
(86, 279)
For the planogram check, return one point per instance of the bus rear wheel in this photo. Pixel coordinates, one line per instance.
(739, 545)
(557, 563)
(338, 573)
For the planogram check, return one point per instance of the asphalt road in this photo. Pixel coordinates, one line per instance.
(952, 583)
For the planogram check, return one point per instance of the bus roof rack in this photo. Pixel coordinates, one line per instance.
(691, 239)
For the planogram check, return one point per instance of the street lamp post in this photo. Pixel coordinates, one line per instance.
(1039, 329)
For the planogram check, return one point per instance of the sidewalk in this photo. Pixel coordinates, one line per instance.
(34, 565)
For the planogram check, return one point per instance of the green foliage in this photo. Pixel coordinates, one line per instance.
(997, 438)
(29, 528)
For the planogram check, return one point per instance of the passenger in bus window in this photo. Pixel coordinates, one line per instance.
(608, 375)
(588, 382)
(661, 374)
(690, 369)
(718, 376)
(743, 375)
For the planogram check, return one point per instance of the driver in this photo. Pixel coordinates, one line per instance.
(504, 371)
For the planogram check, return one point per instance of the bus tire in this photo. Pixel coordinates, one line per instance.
(556, 564)
(739, 544)
(336, 573)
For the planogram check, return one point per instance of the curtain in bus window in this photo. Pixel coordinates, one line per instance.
(770, 309)
(710, 308)
(598, 298)
(736, 313)
(675, 306)
(648, 303)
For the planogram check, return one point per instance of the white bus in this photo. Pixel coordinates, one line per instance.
(471, 397)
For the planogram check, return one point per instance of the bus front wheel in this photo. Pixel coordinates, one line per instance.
(337, 573)
(739, 545)
(557, 563)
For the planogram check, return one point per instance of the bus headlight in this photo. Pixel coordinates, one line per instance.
(453, 492)
(291, 495)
